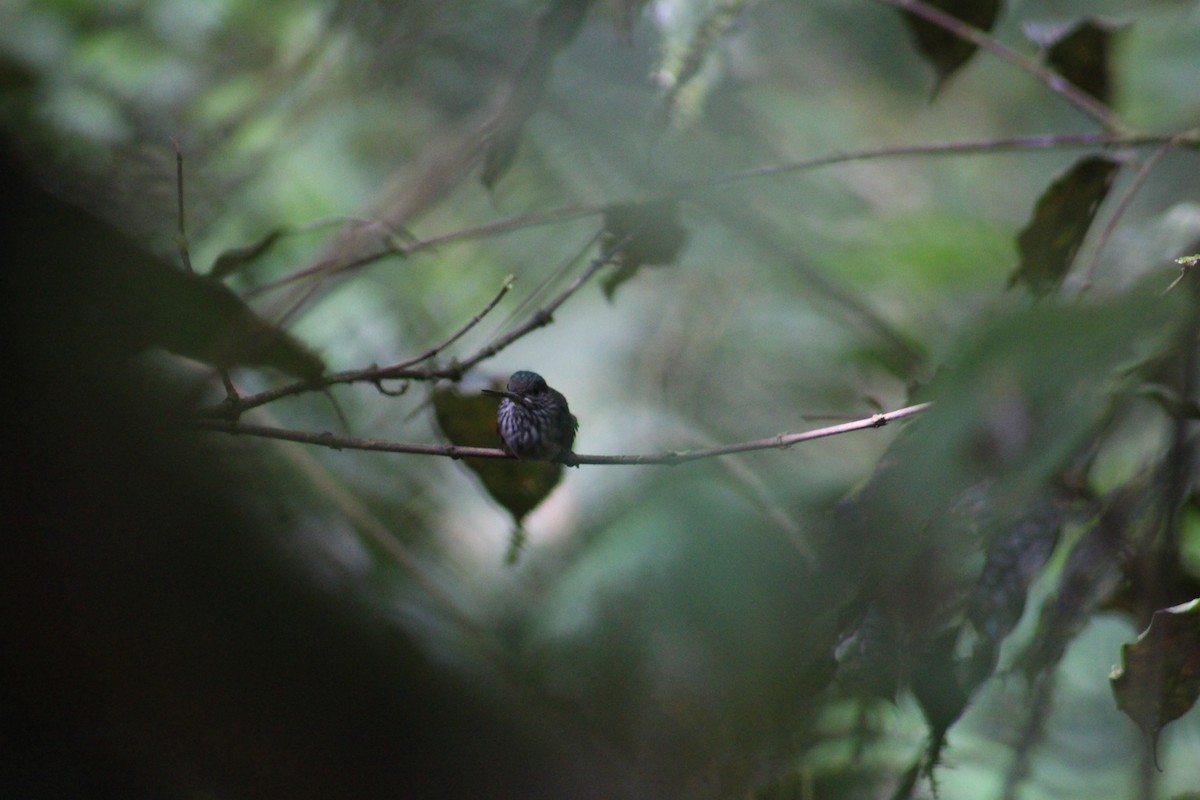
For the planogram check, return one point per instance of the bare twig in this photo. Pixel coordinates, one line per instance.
(458, 334)
(670, 458)
(1053, 81)
(394, 247)
(1051, 141)
(398, 371)
(1135, 186)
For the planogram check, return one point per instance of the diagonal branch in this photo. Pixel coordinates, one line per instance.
(1135, 186)
(1053, 81)
(233, 407)
(669, 458)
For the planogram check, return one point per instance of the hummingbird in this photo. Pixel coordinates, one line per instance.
(534, 420)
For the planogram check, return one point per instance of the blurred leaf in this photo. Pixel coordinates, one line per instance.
(870, 662)
(998, 435)
(626, 13)
(1014, 559)
(236, 258)
(642, 234)
(939, 691)
(1091, 576)
(941, 48)
(684, 67)
(194, 316)
(518, 486)
(137, 300)
(1060, 222)
(557, 27)
(1080, 51)
(1159, 677)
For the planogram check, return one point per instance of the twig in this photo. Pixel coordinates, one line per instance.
(670, 458)
(398, 371)
(1053, 81)
(330, 268)
(1033, 142)
(454, 337)
(1135, 186)
(544, 315)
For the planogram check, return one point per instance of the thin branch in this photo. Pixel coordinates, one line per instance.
(1135, 186)
(394, 247)
(967, 147)
(236, 406)
(544, 315)
(1053, 81)
(670, 458)
(454, 337)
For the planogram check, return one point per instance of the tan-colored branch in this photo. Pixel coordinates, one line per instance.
(669, 458)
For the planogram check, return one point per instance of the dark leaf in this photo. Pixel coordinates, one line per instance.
(518, 486)
(945, 51)
(194, 316)
(1013, 560)
(870, 662)
(236, 258)
(557, 27)
(1091, 577)
(640, 234)
(1060, 222)
(939, 692)
(1159, 677)
(1080, 51)
(126, 300)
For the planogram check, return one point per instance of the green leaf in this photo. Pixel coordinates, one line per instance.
(1060, 221)
(640, 234)
(518, 486)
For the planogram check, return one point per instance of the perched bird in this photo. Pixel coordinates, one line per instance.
(534, 420)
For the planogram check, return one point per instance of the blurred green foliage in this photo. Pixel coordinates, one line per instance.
(824, 621)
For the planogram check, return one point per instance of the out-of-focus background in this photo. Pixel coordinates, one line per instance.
(193, 614)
